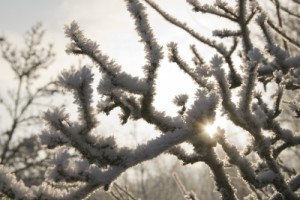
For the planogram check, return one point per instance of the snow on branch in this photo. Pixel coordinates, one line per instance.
(13, 188)
(174, 57)
(209, 42)
(152, 49)
(81, 45)
(80, 81)
(225, 11)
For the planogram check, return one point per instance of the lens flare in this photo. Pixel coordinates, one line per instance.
(211, 129)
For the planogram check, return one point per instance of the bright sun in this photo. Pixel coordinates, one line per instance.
(239, 138)
(233, 133)
(211, 129)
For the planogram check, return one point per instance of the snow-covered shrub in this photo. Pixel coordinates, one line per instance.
(96, 161)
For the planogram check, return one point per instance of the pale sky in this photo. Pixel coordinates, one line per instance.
(17, 16)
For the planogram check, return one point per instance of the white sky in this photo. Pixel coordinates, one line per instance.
(108, 23)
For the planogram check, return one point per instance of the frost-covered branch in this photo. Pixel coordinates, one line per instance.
(211, 43)
(229, 85)
(21, 101)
